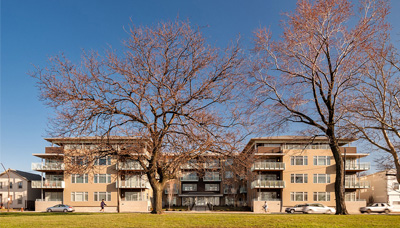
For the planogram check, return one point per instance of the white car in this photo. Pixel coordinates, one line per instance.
(296, 208)
(377, 207)
(318, 208)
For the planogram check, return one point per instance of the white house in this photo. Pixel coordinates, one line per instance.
(21, 194)
(384, 188)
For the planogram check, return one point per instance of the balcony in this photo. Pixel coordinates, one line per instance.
(188, 166)
(243, 190)
(268, 184)
(48, 184)
(211, 165)
(356, 184)
(268, 166)
(212, 178)
(269, 151)
(174, 191)
(361, 166)
(131, 165)
(190, 178)
(48, 166)
(132, 184)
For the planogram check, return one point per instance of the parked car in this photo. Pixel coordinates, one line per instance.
(377, 207)
(296, 208)
(318, 208)
(60, 208)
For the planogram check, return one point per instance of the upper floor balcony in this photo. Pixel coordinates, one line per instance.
(189, 178)
(174, 191)
(360, 166)
(48, 166)
(268, 184)
(48, 184)
(356, 184)
(129, 165)
(267, 166)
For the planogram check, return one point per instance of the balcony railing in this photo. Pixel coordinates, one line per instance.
(129, 166)
(48, 184)
(211, 166)
(48, 166)
(268, 184)
(132, 184)
(243, 190)
(358, 166)
(212, 178)
(268, 166)
(174, 191)
(190, 178)
(357, 184)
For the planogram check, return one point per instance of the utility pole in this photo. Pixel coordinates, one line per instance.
(8, 198)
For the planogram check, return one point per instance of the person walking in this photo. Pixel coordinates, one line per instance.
(102, 205)
(265, 207)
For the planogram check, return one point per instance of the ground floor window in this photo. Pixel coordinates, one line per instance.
(53, 196)
(230, 201)
(189, 187)
(79, 196)
(322, 196)
(99, 196)
(19, 200)
(267, 196)
(350, 196)
(298, 196)
(133, 196)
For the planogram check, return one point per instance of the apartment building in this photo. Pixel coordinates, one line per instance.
(114, 178)
(384, 189)
(290, 170)
(15, 185)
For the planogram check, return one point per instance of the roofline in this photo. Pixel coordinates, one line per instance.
(15, 172)
(294, 138)
(60, 140)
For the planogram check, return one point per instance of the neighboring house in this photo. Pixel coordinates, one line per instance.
(21, 193)
(290, 170)
(384, 189)
(121, 183)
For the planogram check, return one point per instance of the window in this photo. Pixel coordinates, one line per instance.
(299, 160)
(228, 174)
(212, 187)
(53, 196)
(229, 162)
(99, 196)
(10, 185)
(1, 185)
(78, 160)
(322, 160)
(19, 200)
(211, 176)
(322, 178)
(298, 196)
(78, 179)
(229, 200)
(79, 196)
(103, 161)
(189, 187)
(265, 196)
(299, 178)
(133, 196)
(102, 178)
(396, 186)
(322, 196)
(20, 184)
(350, 196)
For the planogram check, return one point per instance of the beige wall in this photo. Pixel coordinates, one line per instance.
(134, 206)
(353, 207)
(310, 169)
(378, 189)
(273, 206)
(43, 205)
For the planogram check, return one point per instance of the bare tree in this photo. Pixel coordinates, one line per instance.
(306, 76)
(376, 105)
(168, 87)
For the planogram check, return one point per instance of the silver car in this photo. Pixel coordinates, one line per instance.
(60, 208)
(296, 208)
(318, 208)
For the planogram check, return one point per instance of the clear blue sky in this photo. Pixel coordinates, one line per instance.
(33, 30)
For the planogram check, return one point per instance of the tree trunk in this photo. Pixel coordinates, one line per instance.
(339, 180)
(397, 166)
(157, 195)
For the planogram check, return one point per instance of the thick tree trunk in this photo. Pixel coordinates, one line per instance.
(397, 166)
(339, 180)
(157, 202)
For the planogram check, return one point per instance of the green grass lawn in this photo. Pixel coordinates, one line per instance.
(52, 220)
